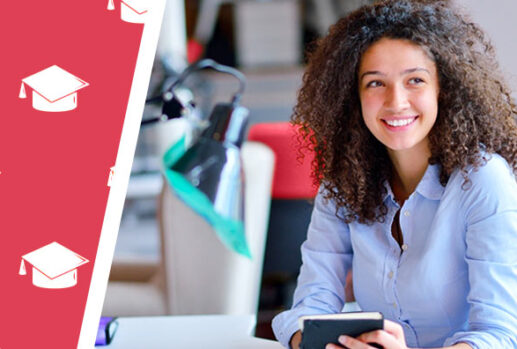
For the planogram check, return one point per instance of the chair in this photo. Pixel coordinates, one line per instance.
(291, 207)
(293, 188)
(198, 275)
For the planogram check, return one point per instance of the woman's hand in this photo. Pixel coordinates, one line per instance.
(392, 337)
(295, 340)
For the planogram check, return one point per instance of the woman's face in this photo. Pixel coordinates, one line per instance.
(398, 88)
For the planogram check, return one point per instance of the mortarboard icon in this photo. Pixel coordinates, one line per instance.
(53, 266)
(53, 89)
(110, 177)
(132, 11)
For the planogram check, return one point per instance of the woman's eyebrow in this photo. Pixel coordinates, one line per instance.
(404, 72)
(371, 72)
(412, 70)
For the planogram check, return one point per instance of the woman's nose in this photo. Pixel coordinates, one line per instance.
(396, 99)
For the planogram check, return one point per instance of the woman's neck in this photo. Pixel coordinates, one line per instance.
(409, 166)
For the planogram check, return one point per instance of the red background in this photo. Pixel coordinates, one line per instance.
(55, 166)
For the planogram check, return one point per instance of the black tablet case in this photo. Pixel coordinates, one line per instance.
(318, 333)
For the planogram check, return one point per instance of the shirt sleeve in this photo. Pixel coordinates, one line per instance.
(326, 258)
(491, 255)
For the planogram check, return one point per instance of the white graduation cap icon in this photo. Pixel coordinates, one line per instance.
(132, 11)
(53, 89)
(110, 177)
(53, 266)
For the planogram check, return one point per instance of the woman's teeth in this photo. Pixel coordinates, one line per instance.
(400, 122)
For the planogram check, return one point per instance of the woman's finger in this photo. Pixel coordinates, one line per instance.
(383, 338)
(333, 346)
(352, 343)
(395, 329)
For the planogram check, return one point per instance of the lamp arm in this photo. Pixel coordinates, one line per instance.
(210, 63)
(174, 108)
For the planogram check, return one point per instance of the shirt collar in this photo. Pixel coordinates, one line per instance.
(429, 186)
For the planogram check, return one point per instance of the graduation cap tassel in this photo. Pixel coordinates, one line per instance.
(22, 269)
(22, 92)
(111, 5)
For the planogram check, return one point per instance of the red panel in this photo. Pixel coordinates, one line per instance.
(54, 166)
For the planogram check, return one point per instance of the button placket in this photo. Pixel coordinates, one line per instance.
(405, 226)
(395, 257)
(410, 333)
(389, 278)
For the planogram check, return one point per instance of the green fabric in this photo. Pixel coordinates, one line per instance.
(174, 153)
(230, 232)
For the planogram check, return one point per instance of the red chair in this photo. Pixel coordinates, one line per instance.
(292, 178)
(293, 187)
(291, 207)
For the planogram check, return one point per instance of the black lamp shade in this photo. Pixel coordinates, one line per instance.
(211, 176)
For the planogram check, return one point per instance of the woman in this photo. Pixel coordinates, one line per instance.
(415, 137)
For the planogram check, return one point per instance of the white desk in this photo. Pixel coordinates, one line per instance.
(192, 332)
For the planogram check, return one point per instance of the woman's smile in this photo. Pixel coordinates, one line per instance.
(399, 123)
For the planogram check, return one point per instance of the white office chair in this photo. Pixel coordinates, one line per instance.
(198, 275)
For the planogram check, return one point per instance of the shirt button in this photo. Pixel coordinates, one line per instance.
(407, 213)
(394, 305)
(390, 274)
(404, 247)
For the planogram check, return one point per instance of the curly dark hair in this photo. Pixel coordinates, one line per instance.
(476, 114)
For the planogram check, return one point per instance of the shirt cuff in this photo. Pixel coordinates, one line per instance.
(466, 341)
(283, 328)
(479, 340)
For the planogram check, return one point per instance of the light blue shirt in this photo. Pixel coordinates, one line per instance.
(454, 279)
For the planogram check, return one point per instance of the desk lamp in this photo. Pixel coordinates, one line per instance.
(206, 172)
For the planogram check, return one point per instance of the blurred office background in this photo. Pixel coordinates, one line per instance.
(267, 41)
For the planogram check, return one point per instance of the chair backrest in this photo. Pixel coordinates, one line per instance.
(292, 178)
(291, 209)
(201, 275)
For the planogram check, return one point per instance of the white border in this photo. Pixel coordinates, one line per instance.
(123, 165)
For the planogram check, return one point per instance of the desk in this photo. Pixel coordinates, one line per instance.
(192, 332)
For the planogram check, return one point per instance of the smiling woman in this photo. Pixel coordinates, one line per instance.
(398, 90)
(415, 140)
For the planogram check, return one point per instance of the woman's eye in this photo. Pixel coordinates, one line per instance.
(374, 83)
(415, 81)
